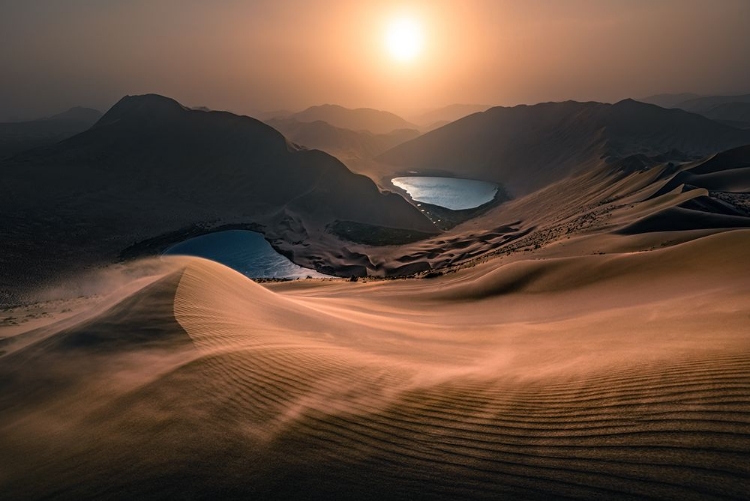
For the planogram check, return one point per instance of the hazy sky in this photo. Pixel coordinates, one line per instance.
(271, 54)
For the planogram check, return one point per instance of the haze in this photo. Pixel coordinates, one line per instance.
(247, 56)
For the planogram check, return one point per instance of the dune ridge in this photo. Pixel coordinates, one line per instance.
(435, 389)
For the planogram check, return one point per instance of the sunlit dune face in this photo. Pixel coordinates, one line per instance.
(404, 39)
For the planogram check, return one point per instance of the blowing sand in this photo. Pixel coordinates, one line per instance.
(601, 376)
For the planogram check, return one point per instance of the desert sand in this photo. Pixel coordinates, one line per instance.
(609, 376)
(586, 339)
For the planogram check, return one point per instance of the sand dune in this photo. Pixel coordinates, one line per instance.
(597, 376)
(655, 203)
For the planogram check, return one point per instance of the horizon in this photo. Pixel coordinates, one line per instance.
(249, 58)
(103, 111)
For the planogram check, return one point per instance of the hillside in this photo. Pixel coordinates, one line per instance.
(375, 121)
(526, 148)
(729, 110)
(16, 137)
(448, 114)
(344, 144)
(150, 167)
(703, 104)
(733, 114)
(668, 100)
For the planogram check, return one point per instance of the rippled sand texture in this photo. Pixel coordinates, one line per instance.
(530, 380)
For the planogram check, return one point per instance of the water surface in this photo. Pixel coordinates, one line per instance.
(245, 251)
(449, 192)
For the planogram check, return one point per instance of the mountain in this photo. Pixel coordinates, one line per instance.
(669, 100)
(344, 144)
(77, 114)
(729, 110)
(270, 115)
(151, 166)
(704, 104)
(734, 114)
(19, 136)
(375, 121)
(447, 114)
(525, 148)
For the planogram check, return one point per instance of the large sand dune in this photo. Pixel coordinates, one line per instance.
(616, 376)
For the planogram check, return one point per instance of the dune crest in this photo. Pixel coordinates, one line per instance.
(466, 384)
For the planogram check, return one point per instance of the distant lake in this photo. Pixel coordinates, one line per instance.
(451, 193)
(245, 251)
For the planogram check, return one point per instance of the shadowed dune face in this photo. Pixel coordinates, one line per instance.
(598, 376)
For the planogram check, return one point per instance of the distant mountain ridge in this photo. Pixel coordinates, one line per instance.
(668, 100)
(447, 114)
(16, 137)
(342, 143)
(375, 121)
(703, 104)
(729, 110)
(79, 113)
(528, 147)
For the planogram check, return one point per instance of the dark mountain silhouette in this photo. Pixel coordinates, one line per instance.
(342, 143)
(270, 115)
(528, 147)
(703, 104)
(19, 136)
(735, 114)
(375, 121)
(729, 110)
(441, 116)
(669, 100)
(151, 166)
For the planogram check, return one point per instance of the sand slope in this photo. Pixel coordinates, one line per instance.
(615, 376)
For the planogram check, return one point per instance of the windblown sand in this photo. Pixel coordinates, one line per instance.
(623, 375)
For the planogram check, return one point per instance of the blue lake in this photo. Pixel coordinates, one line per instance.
(451, 193)
(245, 251)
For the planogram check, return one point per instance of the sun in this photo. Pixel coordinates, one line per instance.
(403, 38)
